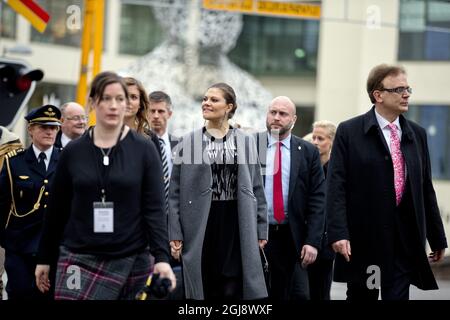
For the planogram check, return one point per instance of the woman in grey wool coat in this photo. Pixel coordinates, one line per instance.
(217, 207)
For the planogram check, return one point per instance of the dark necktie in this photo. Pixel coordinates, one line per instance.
(165, 166)
(278, 205)
(41, 160)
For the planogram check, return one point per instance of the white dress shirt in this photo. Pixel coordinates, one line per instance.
(48, 154)
(64, 140)
(384, 125)
(285, 174)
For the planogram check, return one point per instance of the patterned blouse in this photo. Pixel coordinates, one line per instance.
(223, 159)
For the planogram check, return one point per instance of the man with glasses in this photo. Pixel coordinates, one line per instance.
(73, 123)
(381, 204)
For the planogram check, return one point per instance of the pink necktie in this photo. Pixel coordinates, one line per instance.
(278, 206)
(398, 162)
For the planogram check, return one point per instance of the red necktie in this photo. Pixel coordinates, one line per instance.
(278, 206)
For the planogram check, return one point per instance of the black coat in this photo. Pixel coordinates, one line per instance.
(325, 251)
(23, 234)
(306, 197)
(361, 200)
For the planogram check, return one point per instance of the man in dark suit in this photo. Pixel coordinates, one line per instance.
(295, 194)
(381, 204)
(159, 113)
(25, 181)
(73, 123)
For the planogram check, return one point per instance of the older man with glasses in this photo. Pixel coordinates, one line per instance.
(73, 123)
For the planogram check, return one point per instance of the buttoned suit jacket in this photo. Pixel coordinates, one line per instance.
(306, 197)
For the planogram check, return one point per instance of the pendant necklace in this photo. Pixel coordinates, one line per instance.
(106, 156)
(108, 151)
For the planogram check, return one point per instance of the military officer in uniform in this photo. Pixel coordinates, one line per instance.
(25, 181)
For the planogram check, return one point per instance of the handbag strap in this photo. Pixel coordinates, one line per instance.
(266, 263)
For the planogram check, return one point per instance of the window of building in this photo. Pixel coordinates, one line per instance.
(140, 32)
(7, 21)
(277, 46)
(51, 93)
(424, 30)
(64, 27)
(435, 120)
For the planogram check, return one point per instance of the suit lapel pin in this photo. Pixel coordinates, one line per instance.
(299, 148)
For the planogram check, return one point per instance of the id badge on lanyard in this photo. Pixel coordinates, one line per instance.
(103, 217)
(103, 211)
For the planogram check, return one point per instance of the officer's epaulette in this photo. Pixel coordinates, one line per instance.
(14, 153)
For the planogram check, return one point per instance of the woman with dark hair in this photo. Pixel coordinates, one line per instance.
(217, 207)
(105, 213)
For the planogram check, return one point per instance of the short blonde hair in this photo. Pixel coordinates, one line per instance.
(327, 125)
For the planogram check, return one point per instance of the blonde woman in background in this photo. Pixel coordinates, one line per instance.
(322, 137)
(320, 273)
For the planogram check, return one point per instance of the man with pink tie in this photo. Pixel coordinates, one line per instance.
(381, 204)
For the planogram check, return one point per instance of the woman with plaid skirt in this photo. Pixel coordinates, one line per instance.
(107, 208)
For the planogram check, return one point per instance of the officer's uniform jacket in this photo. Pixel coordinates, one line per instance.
(22, 207)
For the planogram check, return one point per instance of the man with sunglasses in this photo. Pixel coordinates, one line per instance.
(381, 204)
(73, 123)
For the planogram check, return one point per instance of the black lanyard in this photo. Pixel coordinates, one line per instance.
(103, 175)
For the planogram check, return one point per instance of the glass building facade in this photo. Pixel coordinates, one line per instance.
(424, 31)
(277, 46)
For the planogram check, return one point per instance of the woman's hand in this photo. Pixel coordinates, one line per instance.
(41, 273)
(262, 243)
(165, 271)
(175, 249)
